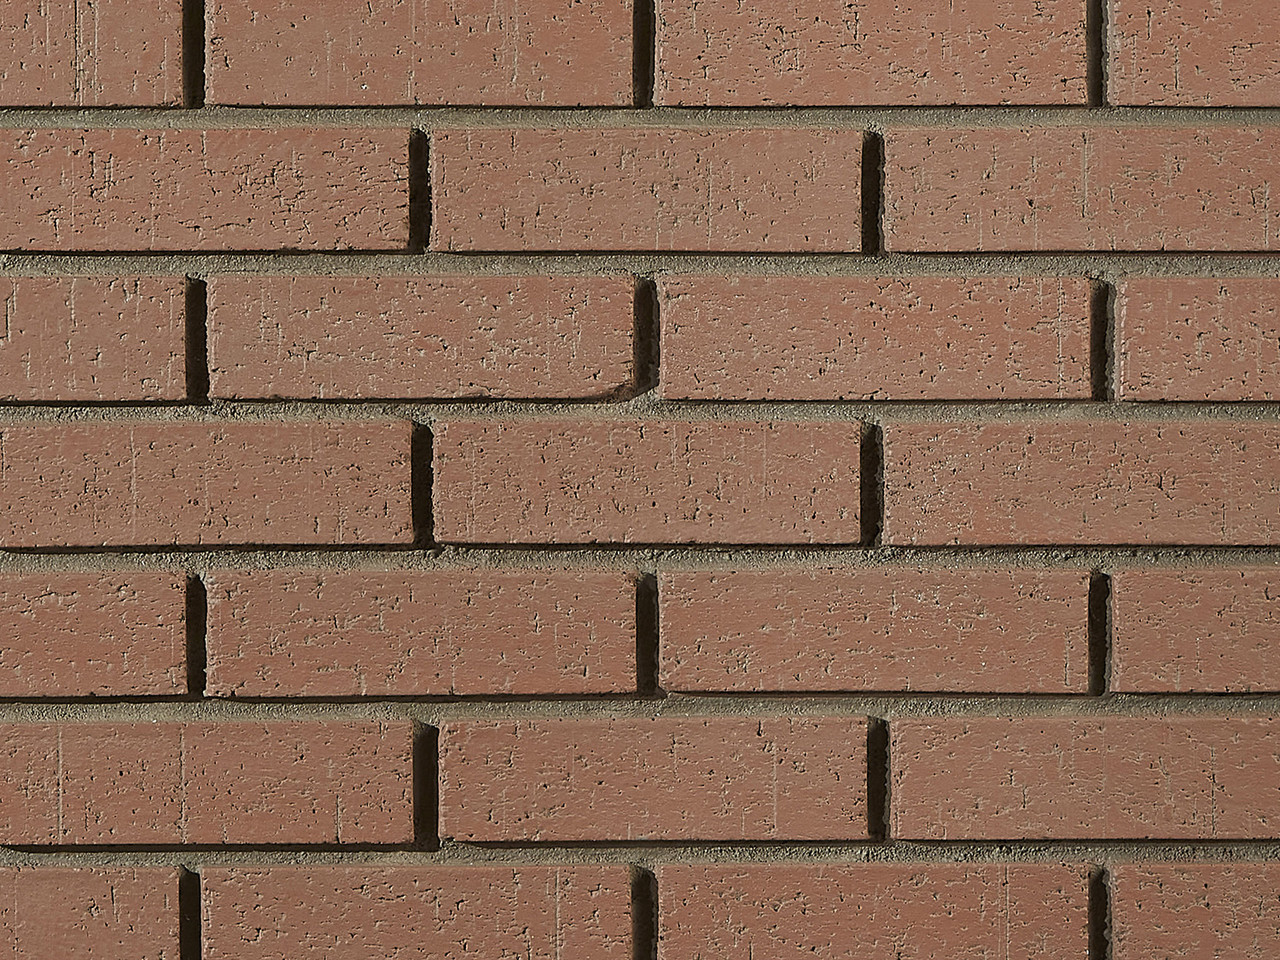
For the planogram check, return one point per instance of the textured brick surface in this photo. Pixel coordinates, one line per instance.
(646, 189)
(90, 53)
(1195, 630)
(539, 913)
(92, 634)
(333, 337)
(1194, 482)
(93, 484)
(343, 633)
(881, 629)
(1215, 778)
(1072, 188)
(871, 911)
(663, 779)
(409, 51)
(204, 189)
(655, 481)
(842, 338)
(1198, 339)
(101, 913)
(833, 52)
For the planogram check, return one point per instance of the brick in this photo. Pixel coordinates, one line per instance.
(347, 633)
(1215, 911)
(538, 913)
(1189, 53)
(1072, 188)
(1094, 481)
(92, 634)
(338, 337)
(206, 783)
(513, 53)
(122, 190)
(98, 484)
(90, 53)
(785, 190)
(1198, 339)
(102, 913)
(655, 779)
(871, 911)
(834, 52)
(960, 631)
(1184, 631)
(567, 481)
(863, 338)
(1210, 778)
(92, 339)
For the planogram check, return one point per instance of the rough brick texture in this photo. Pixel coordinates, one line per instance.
(852, 338)
(663, 779)
(336, 337)
(410, 51)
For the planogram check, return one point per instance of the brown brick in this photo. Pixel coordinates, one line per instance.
(1181, 631)
(1198, 339)
(862, 338)
(514, 53)
(871, 911)
(96, 484)
(347, 633)
(335, 337)
(92, 339)
(532, 912)
(121, 190)
(1214, 911)
(786, 190)
(1189, 53)
(835, 52)
(90, 53)
(102, 913)
(1071, 188)
(567, 481)
(92, 634)
(1210, 778)
(654, 779)
(1175, 482)
(962, 631)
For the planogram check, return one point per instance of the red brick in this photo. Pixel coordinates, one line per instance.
(334, 337)
(347, 633)
(786, 190)
(1191, 53)
(103, 913)
(863, 338)
(566, 481)
(1071, 188)
(90, 53)
(1093, 481)
(961, 631)
(1182, 631)
(659, 779)
(206, 783)
(835, 52)
(1210, 778)
(1213, 911)
(122, 190)
(92, 634)
(1198, 339)
(408, 51)
(533, 912)
(871, 911)
(96, 484)
(92, 339)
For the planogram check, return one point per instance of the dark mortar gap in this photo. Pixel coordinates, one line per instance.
(193, 54)
(646, 338)
(644, 914)
(196, 309)
(647, 640)
(426, 787)
(419, 192)
(877, 779)
(1101, 339)
(188, 915)
(1099, 914)
(871, 481)
(872, 192)
(197, 630)
(1099, 632)
(1095, 70)
(420, 468)
(644, 51)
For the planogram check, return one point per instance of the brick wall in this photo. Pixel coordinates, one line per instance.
(671, 480)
